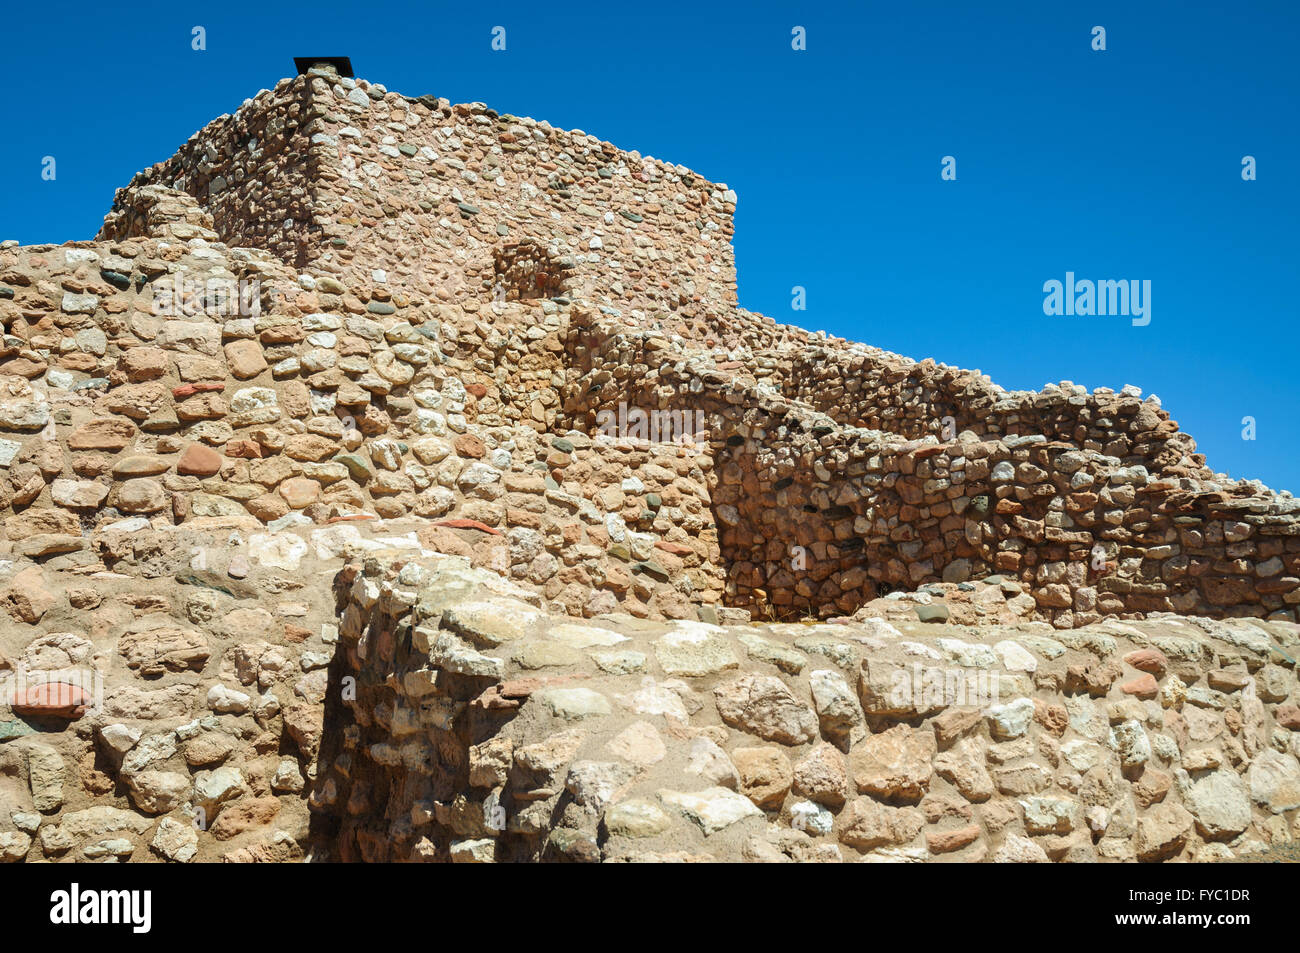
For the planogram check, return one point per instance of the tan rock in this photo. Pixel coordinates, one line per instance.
(894, 765)
(765, 775)
(245, 359)
(198, 460)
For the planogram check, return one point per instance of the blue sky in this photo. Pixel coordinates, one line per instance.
(1117, 164)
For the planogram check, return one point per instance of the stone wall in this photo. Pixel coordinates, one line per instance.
(418, 356)
(816, 518)
(324, 170)
(482, 730)
(866, 387)
(160, 699)
(163, 375)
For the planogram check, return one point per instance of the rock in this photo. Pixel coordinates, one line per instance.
(574, 704)
(490, 623)
(639, 743)
(894, 765)
(866, 824)
(945, 842)
(695, 649)
(1010, 720)
(839, 712)
(536, 771)
(176, 841)
(45, 775)
(245, 358)
(1220, 803)
(106, 433)
(14, 846)
(963, 765)
(594, 783)
(765, 706)
(51, 699)
(636, 818)
(709, 762)
(765, 775)
(140, 495)
(1050, 815)
(226, 700)
(1274, 780)
(712, 809)
(214, 788)
(198, 460)
(765, 650)
(1162, 832)
(299, 492)
(165, 648)
(822, 776)
(28, 598)
(158, 792)
(1019, 850)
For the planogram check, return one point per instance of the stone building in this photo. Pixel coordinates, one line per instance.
(384, 396)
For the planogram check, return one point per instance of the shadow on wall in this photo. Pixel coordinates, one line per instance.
(527, 271)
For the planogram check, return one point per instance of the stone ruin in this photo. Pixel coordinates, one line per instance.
(398, 480)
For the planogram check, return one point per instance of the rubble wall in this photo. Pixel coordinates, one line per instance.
(483, 730)
(817, 518)
(420, 196)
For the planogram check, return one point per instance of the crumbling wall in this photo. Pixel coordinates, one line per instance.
(254, 172)
(483, 731)
(864, 387)
(816, 518)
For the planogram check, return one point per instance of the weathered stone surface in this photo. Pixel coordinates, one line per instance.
(765, 706)
(490, 555)
(895, 765)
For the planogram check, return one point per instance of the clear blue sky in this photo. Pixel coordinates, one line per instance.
(1117, 164)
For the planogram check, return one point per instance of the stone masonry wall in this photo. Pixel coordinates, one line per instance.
(816, 518)
(482, 730)
(866, 387)
(351, 343)
(323, 169)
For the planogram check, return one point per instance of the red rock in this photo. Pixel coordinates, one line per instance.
(1148, 660)
(470, 446)
(478, 390)
(52, 699)
(677, 549)
(198, 460)
(299, 492)
(1288, 716)
(189, 390)
(942, 842)
(244, 450)
(350, 518)
(459, 523)
(1144, 686)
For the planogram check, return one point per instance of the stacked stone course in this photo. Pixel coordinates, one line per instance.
(484, 730)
